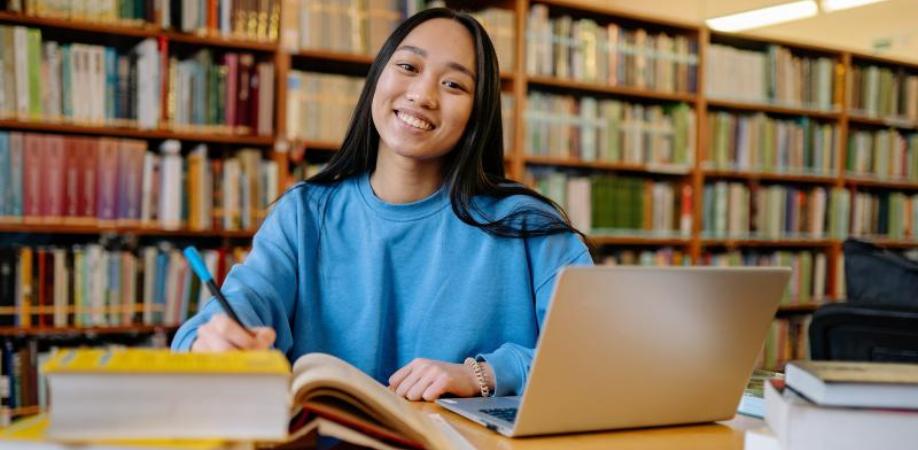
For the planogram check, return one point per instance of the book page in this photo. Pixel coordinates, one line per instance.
(316, 373)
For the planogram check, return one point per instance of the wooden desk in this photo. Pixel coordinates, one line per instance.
(716, 436)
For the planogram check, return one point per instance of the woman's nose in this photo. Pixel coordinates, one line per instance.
(423, 93)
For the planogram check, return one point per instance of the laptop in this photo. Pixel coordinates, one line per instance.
(631, 347)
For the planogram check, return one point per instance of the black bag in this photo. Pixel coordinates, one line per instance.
(875, 276)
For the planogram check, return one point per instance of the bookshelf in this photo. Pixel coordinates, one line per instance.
(674, 98)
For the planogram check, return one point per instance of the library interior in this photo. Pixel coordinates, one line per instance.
(757, 158)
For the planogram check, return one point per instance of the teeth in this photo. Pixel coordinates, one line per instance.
(414, 121)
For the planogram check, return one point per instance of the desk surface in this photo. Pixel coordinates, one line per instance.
(714, 436)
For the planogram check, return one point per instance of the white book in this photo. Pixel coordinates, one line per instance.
(61, 287)
(148, 85)
(819, 277)
(579, 207)
(170, 197)
(97, 261)
(149, 281)
(51, 104)
(21, 74)
(802, 425)
(232, 184)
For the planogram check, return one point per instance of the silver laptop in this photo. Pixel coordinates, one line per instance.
(629, 347)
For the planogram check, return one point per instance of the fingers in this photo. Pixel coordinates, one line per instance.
(423, 379)
(396, 379)
(435, 389)
(409, 381)
(220, 334)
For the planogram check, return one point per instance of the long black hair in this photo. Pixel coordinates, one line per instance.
(476, 165)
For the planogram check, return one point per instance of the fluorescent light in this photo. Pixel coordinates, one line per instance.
(836, 5)
(765, 16)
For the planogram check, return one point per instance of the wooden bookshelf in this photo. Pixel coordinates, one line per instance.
(768, 243)
(660, 169)
(44, 228)
(332, 57)
(600, 89)
(600, 239)
(770, 176)
(883, 184)
(60, 331)
(889, 122)
(772, 109)
(211, 135)
(116, 29)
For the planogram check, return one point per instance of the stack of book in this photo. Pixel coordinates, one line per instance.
(583, 50)
(840, 405)
(774, 76)
(886, 92)
(759, 143)
(612, 205)
(319, 105)
(885, 214)
(732, 209)
(91, 285)
(663, 257)
(149, 398)
(808, 271)
(882, 155)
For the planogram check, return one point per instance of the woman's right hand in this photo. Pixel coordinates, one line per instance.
(221, 334)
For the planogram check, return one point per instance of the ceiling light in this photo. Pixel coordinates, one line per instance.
(836, 5)
(766, 16)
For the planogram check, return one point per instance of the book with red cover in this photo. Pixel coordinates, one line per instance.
(72, 180)
(107, 185)
(89, 161)
(53, 178)
(31, 177)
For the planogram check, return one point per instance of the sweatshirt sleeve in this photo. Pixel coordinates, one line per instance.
(511, 361)
(263, 288)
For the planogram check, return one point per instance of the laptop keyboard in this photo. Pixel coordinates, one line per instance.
(508, 414)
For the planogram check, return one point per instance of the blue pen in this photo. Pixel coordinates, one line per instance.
(197, 264)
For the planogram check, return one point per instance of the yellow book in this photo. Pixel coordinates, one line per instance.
(31, 434)
(235, 396)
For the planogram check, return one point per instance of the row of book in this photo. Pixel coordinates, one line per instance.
(590, 129)
(241, 19)
(774, 76)
(346, 26)
(759, 143)
(231, 92)
(612, 205)
(319, 105)
(56, 179)
(876, 91)
(808, 284)
(882, 154)
(47, 80)
(144, 88)
(788, 339)
(885, 214)
(661, 257)
(106, 11)
(733, 209)
(93, 285)
(501, 27)
(582, 50)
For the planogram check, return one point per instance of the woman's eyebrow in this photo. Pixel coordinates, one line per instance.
(452, 65)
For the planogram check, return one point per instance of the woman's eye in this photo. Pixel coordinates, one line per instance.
(453, 85)
(406, 67)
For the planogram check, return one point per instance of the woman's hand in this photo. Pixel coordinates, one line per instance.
(221, 334)
(428, 379)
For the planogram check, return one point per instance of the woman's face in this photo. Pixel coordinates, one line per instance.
(424, 94)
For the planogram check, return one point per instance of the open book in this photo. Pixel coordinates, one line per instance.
(102, 394)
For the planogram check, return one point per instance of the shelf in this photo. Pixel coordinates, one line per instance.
(876, 183)
(624, 91)
(326, 146)
(42, 228)
(607, 11)
(796, 243)
(891, 122)
(25, 411)
(773, 109)
(139, 30)
(660, 169)
(890, 243)
(333, 56)
(765, 176)
(52, 331)
(219, 40)
(600, 239)
(125, 132)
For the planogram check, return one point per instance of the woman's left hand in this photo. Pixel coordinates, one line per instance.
(428, 379)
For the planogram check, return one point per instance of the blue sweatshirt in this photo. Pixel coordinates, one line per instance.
(334, 269)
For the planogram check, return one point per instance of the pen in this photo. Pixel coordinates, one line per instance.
(197, 264)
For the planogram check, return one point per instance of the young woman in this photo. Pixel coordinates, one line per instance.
(411, 252)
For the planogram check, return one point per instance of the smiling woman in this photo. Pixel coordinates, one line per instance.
(410, 256)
